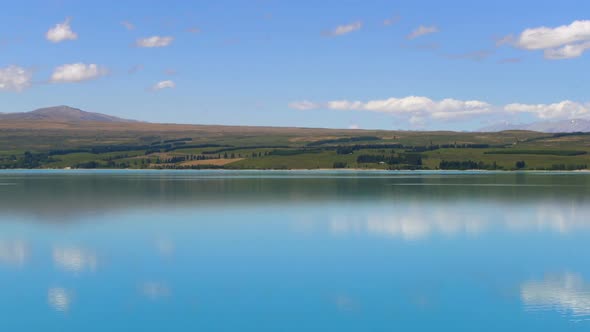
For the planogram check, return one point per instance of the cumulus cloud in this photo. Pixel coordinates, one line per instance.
(15, 78)
(164, 85)
(346, 29)
(563, 110)
(413, 106)
(154, 41)
(61, 32)
(545, 37)
(304, 105)
(421, 31)
(562, 42)
(77, 72)
(128, 25)
(418, 109)
(567, 51)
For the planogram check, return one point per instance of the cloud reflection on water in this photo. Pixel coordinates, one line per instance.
(417, 222)
(14, 252)
(154, 290)
(60, 299)
(74, 259)
(568, 294)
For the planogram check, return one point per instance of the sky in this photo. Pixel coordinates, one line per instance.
(411, 65)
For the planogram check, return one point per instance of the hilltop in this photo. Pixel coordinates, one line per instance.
(61, 114)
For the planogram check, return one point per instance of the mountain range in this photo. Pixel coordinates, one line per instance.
(61, 114)
(67, 114)
(564, 126)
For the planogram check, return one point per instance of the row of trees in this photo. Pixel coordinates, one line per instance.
(470, 164)
(401, 158)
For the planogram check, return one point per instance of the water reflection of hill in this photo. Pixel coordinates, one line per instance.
(64, 196)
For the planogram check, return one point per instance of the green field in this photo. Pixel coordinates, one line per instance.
(139, 145)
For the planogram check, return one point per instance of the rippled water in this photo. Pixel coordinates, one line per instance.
(294, 251)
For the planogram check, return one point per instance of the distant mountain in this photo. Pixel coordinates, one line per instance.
(61, 114)
(565, 126)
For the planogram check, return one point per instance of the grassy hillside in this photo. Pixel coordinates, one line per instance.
(42, 144)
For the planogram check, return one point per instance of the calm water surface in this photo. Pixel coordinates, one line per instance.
(294, 251)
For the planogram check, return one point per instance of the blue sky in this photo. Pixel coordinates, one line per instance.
(369, 64)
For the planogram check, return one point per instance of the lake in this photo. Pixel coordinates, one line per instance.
(294, 251)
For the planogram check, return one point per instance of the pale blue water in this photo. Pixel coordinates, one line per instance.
(294, 251)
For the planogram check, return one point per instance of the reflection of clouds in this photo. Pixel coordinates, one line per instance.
(418, 222)
(567, 293)
(59, 299)
(409, 226)
(154, 290)
(14, 252)
(165, 247)
(344, 303)
(74, 259)
(557, 218)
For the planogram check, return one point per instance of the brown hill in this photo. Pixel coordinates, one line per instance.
(61, 114)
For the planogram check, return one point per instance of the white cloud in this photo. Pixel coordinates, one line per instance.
(562, 42)
(304, 105)
(77, 72)
(154, 41)
(128, 25)
(412, 106)
(14, 78)
(354, 126)
(61, 32)
(346, 29)
(418, 110)
(563, 110)
(421, 31)
(164, 85)
(545, 37)
(567, 51)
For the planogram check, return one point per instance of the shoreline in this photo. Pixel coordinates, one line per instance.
(335, 170)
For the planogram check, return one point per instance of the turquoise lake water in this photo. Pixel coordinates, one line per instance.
(294, 251)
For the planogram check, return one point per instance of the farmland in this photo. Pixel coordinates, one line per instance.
(42, 144)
